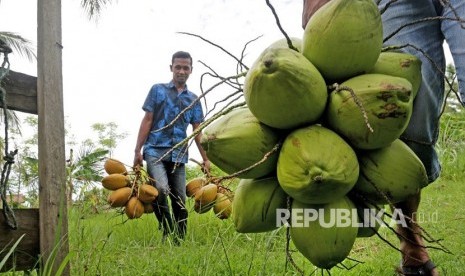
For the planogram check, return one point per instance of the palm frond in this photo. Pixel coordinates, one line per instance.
(94, 157)
(13, 120)
(87, 166)
(20, 44)
(94, 7)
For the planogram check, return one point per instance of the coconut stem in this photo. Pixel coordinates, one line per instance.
(265, 157)
(289, 42)
(288, 240)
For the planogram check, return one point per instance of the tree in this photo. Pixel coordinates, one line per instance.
(26, 165)
(84, 170)
(93, 8)
(17, 43)
(84, 167)
(108, 135)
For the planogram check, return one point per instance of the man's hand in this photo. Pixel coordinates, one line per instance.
(206, 167)
(138, 159)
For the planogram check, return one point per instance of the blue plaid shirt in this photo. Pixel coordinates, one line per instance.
(166, 103)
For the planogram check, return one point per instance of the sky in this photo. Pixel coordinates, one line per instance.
(109, 65)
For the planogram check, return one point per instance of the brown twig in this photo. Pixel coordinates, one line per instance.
(289, 41)
(288, 239)
(265, 157)
(192, 104)
(436, 66)
(338, 88)
(218, 46)
(199, 129)
(421, 21)
(381, 11)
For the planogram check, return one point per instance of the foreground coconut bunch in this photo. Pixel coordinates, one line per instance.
(335, 110)
(207, 196)
(131, 190)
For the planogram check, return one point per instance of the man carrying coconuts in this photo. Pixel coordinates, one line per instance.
(404, 24)
(169, 109)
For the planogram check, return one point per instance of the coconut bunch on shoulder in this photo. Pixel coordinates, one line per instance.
(131, 189)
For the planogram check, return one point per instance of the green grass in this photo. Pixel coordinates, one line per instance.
(107, 244)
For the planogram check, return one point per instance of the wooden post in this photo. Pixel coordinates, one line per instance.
(27, 251)
(52, 167)
(22, 92)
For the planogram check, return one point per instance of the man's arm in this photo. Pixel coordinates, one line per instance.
(310, 7)
(206, 162)
(144, 130)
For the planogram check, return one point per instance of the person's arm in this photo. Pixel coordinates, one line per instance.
(310, 7)
(144, 131)
(206, 163)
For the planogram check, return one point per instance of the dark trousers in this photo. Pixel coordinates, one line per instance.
(170, 181)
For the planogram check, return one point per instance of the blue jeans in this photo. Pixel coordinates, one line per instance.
(170, 181)
(422, 132)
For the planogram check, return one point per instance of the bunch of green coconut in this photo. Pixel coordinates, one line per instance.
(321, 132)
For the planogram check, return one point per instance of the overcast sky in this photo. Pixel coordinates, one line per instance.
(110, 65)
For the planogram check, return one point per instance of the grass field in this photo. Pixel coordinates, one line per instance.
(105, 244)
(109, 244)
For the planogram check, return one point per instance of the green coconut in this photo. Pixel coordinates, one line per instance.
(344, 38)
(284, 90)
(238, 140)
(387, 102)
(316, 165)
(369, 218)
(256, 203)
(402, 65)
(325, 240)
(390, 174)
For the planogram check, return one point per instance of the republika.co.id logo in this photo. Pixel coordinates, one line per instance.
(328, 218)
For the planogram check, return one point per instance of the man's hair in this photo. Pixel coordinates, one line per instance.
(181, 54)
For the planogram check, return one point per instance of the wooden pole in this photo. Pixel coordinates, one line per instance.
(52, 170)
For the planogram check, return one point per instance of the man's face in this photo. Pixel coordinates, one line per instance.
(181, 69)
